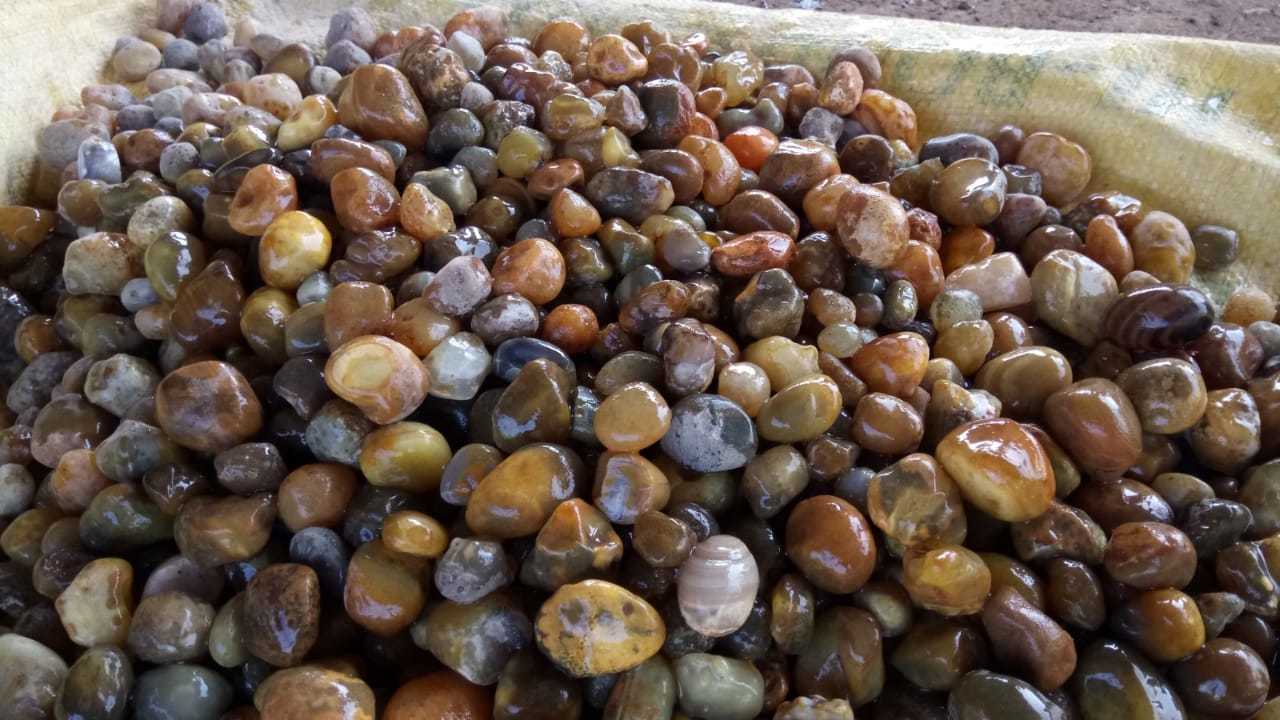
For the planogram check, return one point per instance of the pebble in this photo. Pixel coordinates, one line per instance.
(710, 433)
(97, 607)
(31, 677)
(205, 22)
(594, 627)
(180, 574)
(517, 496)
(458, 366)
(383, 592)
(281, 613)
(97, 159)
(170, 627)
(181, 692)
(475, 640)
(312, 692)
(471, 569)
(97, 685)
(715, 687)
(440, 695)
(323, 551)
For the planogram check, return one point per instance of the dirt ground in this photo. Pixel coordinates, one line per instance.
(1244, 20)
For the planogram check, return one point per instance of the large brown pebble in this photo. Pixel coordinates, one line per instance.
(1023, 637)
(217, 530)
(517, 496)
(632, 418)
(532, 268)
(379, 103)
(312, 692)
(595, 628)
(1223, 678)
(831, 542)
(384, 590)
(281, 613)
(1150, 555)
(1096, 423)
(208, 406)
(1000, 467)
(441, 695)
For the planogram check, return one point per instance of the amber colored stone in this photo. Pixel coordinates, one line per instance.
(596, 628)
(831, 542)
(1165, 624)
(441, 695)
(632, 418)
(533, 268)
(208, 406)
(1000, 468)
(330, 156)
(383, 378)
(886, 424)
(1150, 555)
(571, 327)
(364, 200)
(384, 592)
(752, 253)
(1024, 378)
(213, 531)
(1162, 246)
(380, 104)
(576, 541)
(265, 194)
(408, 456)
(316, 495)
(751, 145)
(1094, 420)
(893, 364)
(965, 245)
(947, 579)
(314, 692)
(292, 247)
(516, 497)
(628, 485)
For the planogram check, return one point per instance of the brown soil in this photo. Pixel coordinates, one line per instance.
(1243, 20)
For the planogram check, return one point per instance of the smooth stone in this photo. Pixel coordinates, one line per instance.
(179, 573)
(983, 695)
(97, 686)
(534, 407)
(710, 433)
(513, 354)
(121, 518)
(1114, 682)
(476, 640)
(530, 687)
(714, 687)
(97, 607)
(313, 693)
(181, 692)
(594, 627)
(281, 613)
(471, 569)
(170, 627)
(31, 676)
(518, 496)
(576, 541)
(645, 692)
(322, 550)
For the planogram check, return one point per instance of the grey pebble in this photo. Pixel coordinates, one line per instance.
(710, 433)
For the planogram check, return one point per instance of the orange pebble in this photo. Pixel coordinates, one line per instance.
(751, 145)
